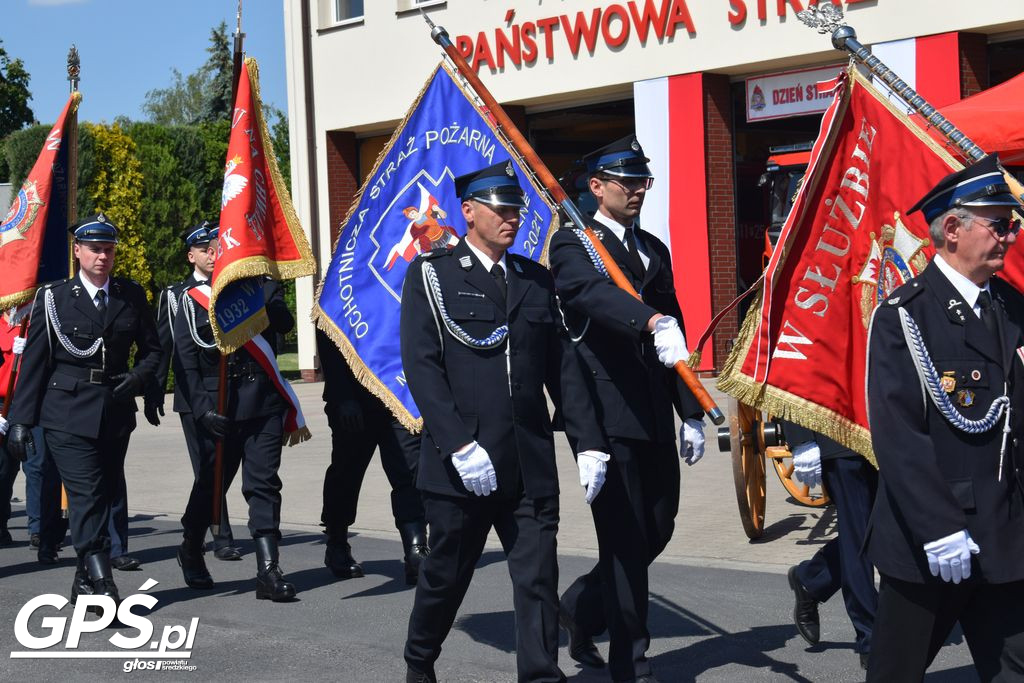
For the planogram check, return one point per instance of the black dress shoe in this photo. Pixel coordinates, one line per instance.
(227, 553)
(338, 558)
(649, 678)
(193, 566)
(5, 538)
(413, 676)
(864, 656)
(125, 563)
(47, 556)
(100, 574)
(33, 541)
(82, 585)
(805, 611)
(414, 542)
(581, 647)
(270, 581)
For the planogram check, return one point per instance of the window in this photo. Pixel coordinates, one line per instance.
(406, 5)
(345, 10)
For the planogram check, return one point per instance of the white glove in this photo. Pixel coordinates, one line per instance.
(807, 463)
(3, 426)
(669, 341)
(18, 345)
(593, 469)
(950, 557)
(691, 440)
(475, 468)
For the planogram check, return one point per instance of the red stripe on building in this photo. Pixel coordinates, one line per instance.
(938, 68)
(688, 202)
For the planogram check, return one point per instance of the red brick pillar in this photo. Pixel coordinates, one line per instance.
(721, 207)
(973, 63)
(342, 176)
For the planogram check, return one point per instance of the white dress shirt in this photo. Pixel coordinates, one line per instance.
(91, 289)
(619, 231)
(967, 289)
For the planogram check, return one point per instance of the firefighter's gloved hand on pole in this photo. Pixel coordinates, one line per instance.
(669, 341)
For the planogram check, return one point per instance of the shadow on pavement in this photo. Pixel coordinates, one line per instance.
(748, 648)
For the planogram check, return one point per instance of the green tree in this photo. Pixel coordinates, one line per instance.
(14, 96)
(15, 113)
(179, 104)
(218, 71)
(172, 200)
(200, 97)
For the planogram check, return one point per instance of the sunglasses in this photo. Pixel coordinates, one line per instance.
(629, 184)
(1001, 226)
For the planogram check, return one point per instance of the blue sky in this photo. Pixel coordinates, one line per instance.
(128, 47)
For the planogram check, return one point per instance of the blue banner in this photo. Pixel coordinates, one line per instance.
(407, 206)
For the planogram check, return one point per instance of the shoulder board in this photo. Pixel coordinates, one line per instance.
(56, 283)
(905, 293)
(125, 281)
(434, 253)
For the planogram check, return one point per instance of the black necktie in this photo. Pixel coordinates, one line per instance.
(988, 312)
(101, 303)
(498, 273)
(636, 264)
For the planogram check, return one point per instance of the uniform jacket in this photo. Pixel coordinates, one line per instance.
(165, 313)
(634, 393)
(339, 383)
(54, 388)
(935, 479)
(251, 393)
(467, 394)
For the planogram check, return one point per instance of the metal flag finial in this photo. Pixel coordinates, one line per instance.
(825, 18)
(74, 67)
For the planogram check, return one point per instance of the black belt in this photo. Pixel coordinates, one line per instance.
(235, 370)
(244, 369)
(90, 375)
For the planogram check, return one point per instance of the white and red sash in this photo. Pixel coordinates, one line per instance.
(295, 430)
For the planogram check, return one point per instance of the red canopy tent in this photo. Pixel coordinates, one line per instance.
(992, 119)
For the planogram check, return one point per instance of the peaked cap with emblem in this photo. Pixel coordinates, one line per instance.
(496, 185)
(980, 184)
(96, 228)
(624, 158)
(199, 235)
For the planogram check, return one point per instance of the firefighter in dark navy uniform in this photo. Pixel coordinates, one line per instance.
(627, 349)
(360, 424)
(252, 430)
(945, 398)
(201, 255)
(76, 384)
(480, 341)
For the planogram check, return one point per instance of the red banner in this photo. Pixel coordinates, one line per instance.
(846, 245)
(260, 233)
(33, 236)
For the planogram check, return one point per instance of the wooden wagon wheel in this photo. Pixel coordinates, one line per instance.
(801, 493)
(748, 466)
(751, 438)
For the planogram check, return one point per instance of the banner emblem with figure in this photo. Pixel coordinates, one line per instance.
(407, 206)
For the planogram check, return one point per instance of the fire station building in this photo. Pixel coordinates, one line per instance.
(709, 86)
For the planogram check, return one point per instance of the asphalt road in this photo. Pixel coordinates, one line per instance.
(721, 608)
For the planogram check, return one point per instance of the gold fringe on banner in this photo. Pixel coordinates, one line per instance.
(360, 370)
(781, 403)
(298, 436)
(257, 266)
(363, 374)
